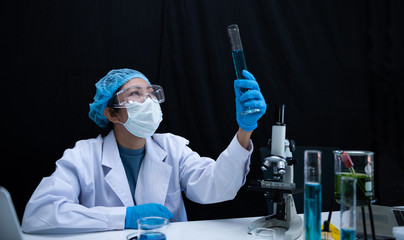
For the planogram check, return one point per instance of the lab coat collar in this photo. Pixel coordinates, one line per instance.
(154, 175)
(114, 172)
(109, 156)
(154, 149)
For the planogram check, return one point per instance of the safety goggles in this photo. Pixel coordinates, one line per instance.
(139, 94)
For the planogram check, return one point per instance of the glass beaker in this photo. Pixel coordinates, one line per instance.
(152, 228)
(348, 208)
(312, 194)
(361, 168)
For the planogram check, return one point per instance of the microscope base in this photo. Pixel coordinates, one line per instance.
(294, 227)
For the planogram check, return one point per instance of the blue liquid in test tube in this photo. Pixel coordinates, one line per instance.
(348, 208)
(312, 210)
(238, 59)
(348, 234)
(239, 63)
(312, 194)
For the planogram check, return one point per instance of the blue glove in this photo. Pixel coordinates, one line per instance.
(146, 210)
(252, 98)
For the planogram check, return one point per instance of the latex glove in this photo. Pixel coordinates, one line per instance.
(146, 210)
(252, 98)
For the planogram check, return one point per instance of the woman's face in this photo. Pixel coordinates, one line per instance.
(122, 113)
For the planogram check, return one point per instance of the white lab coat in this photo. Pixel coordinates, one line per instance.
(89, 190)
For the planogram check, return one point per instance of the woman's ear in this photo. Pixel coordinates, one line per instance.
(111, 115)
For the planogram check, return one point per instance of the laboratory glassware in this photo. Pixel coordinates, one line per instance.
(150, 228)
(348, 208)
(312, 194)
(359, 165)
(239, 59)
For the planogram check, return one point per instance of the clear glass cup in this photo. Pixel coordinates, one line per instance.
(348, 208)
(150, 228)
(312, 194)
(362, 169)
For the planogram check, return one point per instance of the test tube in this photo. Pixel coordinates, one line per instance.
(237, 50)
(348, 208)
(237, 53)
(312, 194)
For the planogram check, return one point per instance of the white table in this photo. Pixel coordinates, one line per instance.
(234, 229)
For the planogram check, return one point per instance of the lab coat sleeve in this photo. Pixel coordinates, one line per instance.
(205, 180)
(54, 206)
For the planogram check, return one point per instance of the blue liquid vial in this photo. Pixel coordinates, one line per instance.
(239, 59)
(348, 234)
(239, 63)
(348, 208)
(152, 236)
(312, 210)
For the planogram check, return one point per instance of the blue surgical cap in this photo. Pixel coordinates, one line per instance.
(106, 88)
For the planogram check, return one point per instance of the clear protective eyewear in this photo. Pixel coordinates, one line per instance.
(139, 94)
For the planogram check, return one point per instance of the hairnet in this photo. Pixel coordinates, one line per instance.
(105, 90)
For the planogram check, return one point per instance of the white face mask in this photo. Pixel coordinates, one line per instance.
(143, 118)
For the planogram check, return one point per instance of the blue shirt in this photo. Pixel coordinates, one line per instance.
(132, 160)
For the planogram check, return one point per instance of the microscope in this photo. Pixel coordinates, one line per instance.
(279, 186)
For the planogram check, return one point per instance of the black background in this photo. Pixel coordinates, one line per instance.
(337, 65)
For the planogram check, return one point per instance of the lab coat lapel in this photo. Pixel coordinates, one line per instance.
(114, 171)
(154, 175)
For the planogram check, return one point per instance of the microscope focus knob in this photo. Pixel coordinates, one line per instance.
(292, 145)
(291, 161)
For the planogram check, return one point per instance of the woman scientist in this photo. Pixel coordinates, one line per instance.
(109, 182)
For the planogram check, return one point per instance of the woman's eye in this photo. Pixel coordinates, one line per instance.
(134, 94)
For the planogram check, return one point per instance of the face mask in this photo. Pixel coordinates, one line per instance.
(143, 118)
